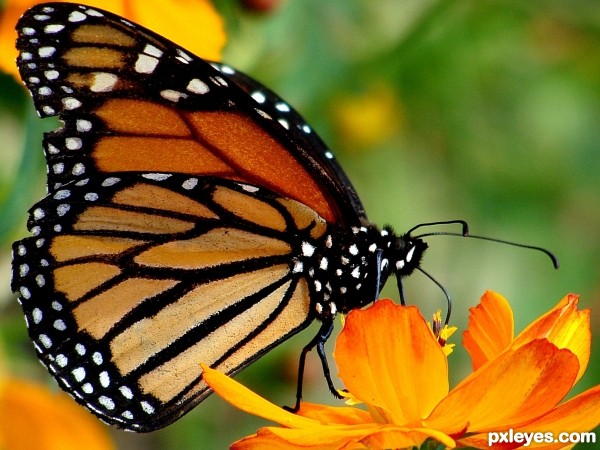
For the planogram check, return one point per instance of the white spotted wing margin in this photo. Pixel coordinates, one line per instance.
(129, 282)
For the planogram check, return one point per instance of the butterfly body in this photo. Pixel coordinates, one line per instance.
(192, 216)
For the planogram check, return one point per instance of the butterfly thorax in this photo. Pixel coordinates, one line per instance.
(347, 269)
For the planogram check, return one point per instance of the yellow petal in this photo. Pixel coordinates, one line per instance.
(34, 418)
(246, 400)
(511, 390)
(490, 329)
(565, 327)
(193, 24)
(388, 358)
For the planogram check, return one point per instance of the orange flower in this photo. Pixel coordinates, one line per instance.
(33, 417)
(390, 360)
(193, 24)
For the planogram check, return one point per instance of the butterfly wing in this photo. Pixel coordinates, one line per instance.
(130, 281)
(131, 100)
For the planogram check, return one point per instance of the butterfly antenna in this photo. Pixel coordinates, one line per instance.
(547, 252)
(443, 289)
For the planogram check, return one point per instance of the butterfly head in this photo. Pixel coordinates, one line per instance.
(407, 253)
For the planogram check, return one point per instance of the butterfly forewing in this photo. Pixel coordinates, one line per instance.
(125, 292)
(131, 100)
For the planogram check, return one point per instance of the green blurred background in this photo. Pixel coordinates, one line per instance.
(488, 111)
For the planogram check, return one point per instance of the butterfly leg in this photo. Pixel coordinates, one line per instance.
(319, 342)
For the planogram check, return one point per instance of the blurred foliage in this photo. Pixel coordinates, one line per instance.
(483, 110)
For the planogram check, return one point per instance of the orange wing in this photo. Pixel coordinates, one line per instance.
(130, 281)
(131, 100)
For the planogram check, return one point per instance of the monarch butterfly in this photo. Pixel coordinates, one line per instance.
(192, 216)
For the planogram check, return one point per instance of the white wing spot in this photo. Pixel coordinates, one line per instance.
(46, 52)
(61, 210)
(54, 28)
(104, 379)
(97, 358)
(41, 17)
(172, 95)
(28, 31)
(283, 107)
(308, 249)
(190, 183)
(73, 143)
(83, 125)
(197, 86)
(40, 280)
(25, 293)
(94, 13)
(71, 103)
(103, 82)
(60, 325)
(39, 213)
(77, 16)
(78, 169)
(156, 176)
(226, 69)
(263, 114)
(23, 270)
(284, 123)
(184, 55)
(107, 402)
(58, 168)
(45, 340)
(26, 56)
(37, 315)
(258, 97)
(147, 407)
(145, 64)
(80, 349)
(111, 181)
(153, 51)
(126, 392)
(48, 110)
(61, 360)
(62, 194)
(34, 80)
(51, 74)
(87, 388)
(248, 188)
(91, 196)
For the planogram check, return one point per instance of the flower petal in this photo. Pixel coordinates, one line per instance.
(243, 398)
(490, 330)
(341, 437)
(581, 413)
(33, 418)
(388, 358)
(334, 414)
(565, 327)
(511, 390)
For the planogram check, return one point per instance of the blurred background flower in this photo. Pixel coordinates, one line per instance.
(487, 111)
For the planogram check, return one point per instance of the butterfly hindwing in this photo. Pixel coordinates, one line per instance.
(131, 100)
(131, 281)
